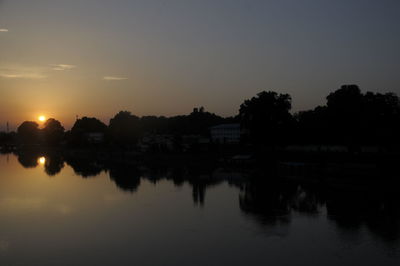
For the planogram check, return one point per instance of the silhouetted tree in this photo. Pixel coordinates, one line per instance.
(312, 126)
(380, 119)
(124, 128)
(154, 124)
(349, 118)
(53, 132)
(7, 138)
(88, 124)
(352, 118)
(197, 122)
(344, 107)
(83, 127)
(266, 118)
(28, 133)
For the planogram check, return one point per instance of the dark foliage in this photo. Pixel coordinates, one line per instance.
(53, 132)
(83, 128)
(352, 118)
(349, 118)
(266, 118)
(28, 133)
(124, 129)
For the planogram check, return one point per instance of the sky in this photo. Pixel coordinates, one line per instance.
(94, 58)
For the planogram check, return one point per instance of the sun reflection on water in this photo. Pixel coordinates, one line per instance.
(42, 160)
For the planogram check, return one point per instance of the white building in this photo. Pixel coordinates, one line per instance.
(225, 133)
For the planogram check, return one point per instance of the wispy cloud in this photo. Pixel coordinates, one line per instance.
(22, 75)
(3, 30)
(110, 78)
(61, 67)
(8, 71)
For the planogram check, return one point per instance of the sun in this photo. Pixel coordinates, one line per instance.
(42, 118)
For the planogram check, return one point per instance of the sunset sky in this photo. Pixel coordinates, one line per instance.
(93, 58)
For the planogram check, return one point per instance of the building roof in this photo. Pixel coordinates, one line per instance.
(226, 126)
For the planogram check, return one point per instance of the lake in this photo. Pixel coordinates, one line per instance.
(57, 211)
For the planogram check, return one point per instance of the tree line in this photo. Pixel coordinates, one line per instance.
(349, 117)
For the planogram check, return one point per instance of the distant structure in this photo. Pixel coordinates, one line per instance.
(95, 137)
(157, 142)
(225, 133)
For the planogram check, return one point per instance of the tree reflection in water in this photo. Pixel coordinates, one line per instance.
(376, 208)
(28, 159)
(85, 166)
(53, 162)
(53, 165)
(269, 199)
(126, 177)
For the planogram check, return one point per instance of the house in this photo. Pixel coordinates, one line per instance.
(190, 142)
(157, 142)
(95, 137)
(225, 133)
(316, 148)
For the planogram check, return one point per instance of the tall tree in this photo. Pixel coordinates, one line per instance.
(312, 126)
(53, 132)
(124, 128)
(266, 118)
(28, 133)
(83, 128)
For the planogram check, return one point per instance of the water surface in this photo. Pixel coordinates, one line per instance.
(77, 212)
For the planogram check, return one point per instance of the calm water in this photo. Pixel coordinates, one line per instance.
(82, 212)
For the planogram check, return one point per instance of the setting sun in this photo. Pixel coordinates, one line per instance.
(42, 118)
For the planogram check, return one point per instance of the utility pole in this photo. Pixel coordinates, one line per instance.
(8, 127)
